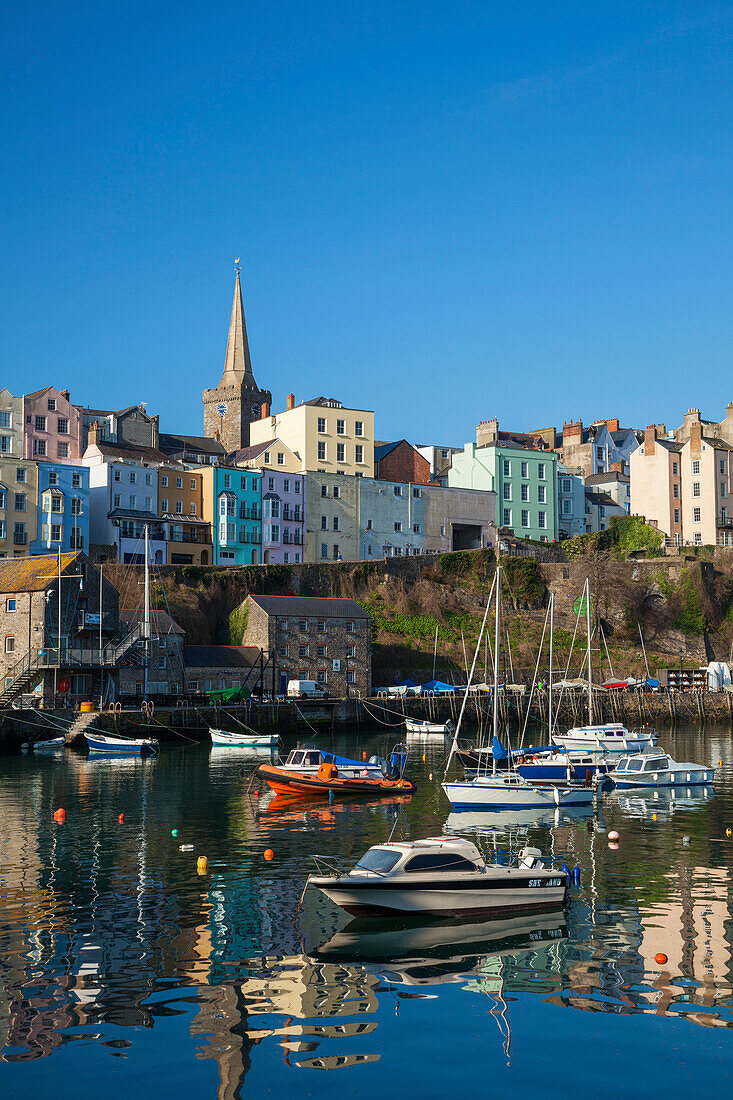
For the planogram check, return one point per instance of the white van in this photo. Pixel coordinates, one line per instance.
(298, 689)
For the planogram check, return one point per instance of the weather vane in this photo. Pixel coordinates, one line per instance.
(237, 264)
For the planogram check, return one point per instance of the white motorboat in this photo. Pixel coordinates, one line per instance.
(441, 876)
(492, 822)
(510, 790)
(655, 769)
(417, 727)
(52, 744)
(608, 737)
(243, 740)
(121, 746)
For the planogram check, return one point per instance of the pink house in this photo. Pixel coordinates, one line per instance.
(52, 427)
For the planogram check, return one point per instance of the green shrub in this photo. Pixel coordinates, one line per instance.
(238, 624)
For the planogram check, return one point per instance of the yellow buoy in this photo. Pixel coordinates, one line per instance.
(654, 817)
(202, 865)
(423, 758)
(728, 832)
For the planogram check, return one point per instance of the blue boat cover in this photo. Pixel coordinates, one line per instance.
(498, 750)
(408, 683)
(440, 688)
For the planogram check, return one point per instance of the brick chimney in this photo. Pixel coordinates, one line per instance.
(487, 432)
(616, 467)
(612, 425)
(65, 394)
(94, 434)
(696, 437)
(265, 411)
(572, 430)
(291, 401)
(650, 440)
(691, 416)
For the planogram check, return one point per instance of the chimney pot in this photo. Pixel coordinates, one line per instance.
(265, 410)
(291, 401)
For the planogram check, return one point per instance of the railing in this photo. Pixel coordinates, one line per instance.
(725, 520)
(198, 537)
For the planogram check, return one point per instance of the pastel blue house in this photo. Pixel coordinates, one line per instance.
(237, 503)
(391, 519)
(63, 508)
(571, 503)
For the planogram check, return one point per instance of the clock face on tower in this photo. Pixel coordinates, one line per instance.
(256, 411)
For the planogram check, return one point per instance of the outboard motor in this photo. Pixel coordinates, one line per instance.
(530, 857)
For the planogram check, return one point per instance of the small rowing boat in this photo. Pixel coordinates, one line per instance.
(52, 744)
(121, 746)
(423, 728)
(243, 740)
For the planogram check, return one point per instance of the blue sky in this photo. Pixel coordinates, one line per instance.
(445, 211)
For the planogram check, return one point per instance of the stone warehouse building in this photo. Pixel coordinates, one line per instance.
(327, 640)
(48, 654)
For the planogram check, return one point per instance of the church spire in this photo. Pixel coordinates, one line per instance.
(238, 364)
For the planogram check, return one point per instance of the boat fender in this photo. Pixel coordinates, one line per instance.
(565, 869)
(576, 875)
(331, 795)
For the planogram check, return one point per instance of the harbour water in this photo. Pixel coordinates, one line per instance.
(125, 972)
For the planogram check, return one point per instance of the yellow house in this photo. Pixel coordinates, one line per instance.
(324, 436)
(18, 507)
(269, 455)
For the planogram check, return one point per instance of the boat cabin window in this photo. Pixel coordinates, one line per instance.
(635, 764)
(312, 758)
(377, 859)
(295, 758)
(444, 861)
(656, 764)
(622, 764)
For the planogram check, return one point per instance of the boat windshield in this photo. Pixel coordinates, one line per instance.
(656, 764)
(635, 764)
(380, 860)
(622, 764)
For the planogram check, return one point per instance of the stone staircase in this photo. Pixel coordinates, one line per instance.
(80, 723)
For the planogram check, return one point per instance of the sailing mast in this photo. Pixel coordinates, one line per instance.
(146, 619)
(497, 605)
(549, 680)
(590, 673)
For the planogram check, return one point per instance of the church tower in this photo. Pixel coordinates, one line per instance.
(237, 401)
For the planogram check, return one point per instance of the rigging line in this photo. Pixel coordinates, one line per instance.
(494, 585)
(534, 680)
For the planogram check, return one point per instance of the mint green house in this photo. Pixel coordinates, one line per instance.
(524, 480)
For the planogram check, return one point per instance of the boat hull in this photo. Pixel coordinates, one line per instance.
(611, 738)
(426, 729)
(119, 747)
(530, 894)
(684, 777)
(476, 794)
(243, 740)
(283, 781)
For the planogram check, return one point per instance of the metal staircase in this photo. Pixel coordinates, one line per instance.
(28, 671)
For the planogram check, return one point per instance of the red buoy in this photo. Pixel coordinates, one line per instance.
(660, 958)
(121, 818)
(60, 815)
(268, 854)
(363, 756)
(257, 794)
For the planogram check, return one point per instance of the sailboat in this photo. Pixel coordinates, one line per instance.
(606, 737)
(506, 789)
(101, 743)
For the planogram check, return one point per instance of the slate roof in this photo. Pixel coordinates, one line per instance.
(315, 607)
(32, 574)
(381, 450)
(160, 621)
(612, 475)
(200, 444)
(603, 499)
(128, 450)
(220, 656)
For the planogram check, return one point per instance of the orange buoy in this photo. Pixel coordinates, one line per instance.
(257, 794)
(60, 815)
(121, 818)
(268, 854)
(660, 958)
(363, 756)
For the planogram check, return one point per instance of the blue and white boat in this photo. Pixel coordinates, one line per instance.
(121, 746)
(221, 738)
(658, 769)
(557, 766)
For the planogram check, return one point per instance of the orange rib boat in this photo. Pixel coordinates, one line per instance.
(326, 779)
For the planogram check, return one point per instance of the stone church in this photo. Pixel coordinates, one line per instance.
(237, 400)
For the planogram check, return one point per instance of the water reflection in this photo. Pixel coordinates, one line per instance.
(109, 934)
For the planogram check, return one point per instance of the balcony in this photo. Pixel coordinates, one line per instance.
(724, 520)
(201, 537)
